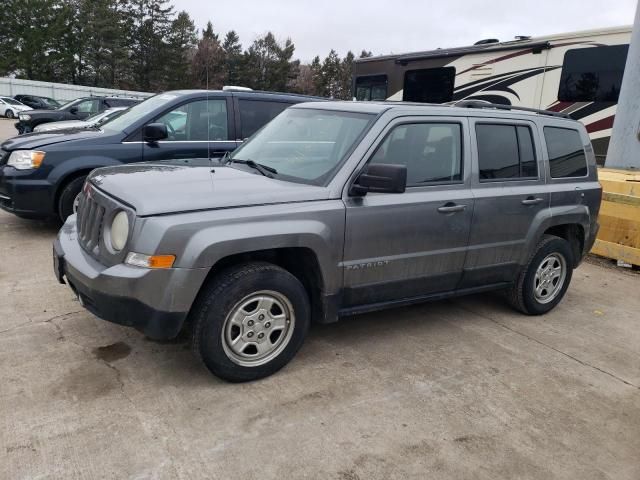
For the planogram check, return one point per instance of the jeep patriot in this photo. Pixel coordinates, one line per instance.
(334, 209)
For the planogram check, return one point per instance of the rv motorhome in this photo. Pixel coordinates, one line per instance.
(576, 73)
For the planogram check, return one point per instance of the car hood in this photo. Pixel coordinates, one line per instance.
(48, 113)
(21, 108)
(64, 124)
(154, 189)
(42, 139)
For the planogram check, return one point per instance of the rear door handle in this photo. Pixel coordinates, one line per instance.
(532, 201)
(451, 208)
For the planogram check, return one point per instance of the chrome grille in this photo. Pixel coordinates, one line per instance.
(89, 220)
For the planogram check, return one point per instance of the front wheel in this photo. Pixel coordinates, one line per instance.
(543, 282)
(9, 114)
(250, 321)
(69, 196)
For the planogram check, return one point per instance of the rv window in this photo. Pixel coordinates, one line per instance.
(592, 74)
(432, 152)
(371, 87)
(431, 85)
(566, 153)
(505, 152)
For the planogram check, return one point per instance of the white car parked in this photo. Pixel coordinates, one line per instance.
(10, 107)
(93, 121)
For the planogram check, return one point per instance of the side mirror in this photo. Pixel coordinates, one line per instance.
(380, 178)
(73, 110)
(154, 132)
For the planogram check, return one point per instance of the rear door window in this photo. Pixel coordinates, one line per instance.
(254, 114)
(566, 153)
(505, 152)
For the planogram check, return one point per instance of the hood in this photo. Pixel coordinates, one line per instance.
(154, 189)
(65, 124)
(42, 139)
(21, 108)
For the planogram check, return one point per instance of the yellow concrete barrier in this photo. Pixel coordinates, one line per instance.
(619, 235)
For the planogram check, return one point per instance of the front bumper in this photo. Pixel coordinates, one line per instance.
(23, 195)
(155, 302)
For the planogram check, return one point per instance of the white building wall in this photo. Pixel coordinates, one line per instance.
(59, 91)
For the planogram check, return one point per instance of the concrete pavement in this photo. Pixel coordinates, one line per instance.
(459, 389)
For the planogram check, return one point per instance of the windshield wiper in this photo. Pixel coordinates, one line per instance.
(263, 169)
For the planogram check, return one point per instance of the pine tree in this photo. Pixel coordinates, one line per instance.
(233, 58)
(180, 50)
(208, 62)
(152, 25)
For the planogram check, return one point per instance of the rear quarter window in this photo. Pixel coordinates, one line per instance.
(566, 152)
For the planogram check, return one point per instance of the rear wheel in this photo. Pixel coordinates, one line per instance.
(9, 114)
(68, 200)
(250, 321)
(543, 282)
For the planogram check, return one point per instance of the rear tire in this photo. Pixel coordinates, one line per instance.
(250, 321)
(68, 197)
(544, 280)
(9, 114)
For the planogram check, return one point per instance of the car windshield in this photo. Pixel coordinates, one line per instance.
(11, 101)
(303, 145)
(122, 122)
(51, 102)
(107, 116)
(70, 104)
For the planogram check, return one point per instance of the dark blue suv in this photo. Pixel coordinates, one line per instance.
(41, 174)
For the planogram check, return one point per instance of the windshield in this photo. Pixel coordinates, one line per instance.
(108, 116)
(11, 101)
(51, 102)
(68, 105)
(304, 145)
(122, 122)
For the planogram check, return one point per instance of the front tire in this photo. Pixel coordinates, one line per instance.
(543, 282)
(68, 200)
(9, 114)
(250, 321)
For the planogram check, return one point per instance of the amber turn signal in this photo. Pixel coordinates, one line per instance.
(150, 261)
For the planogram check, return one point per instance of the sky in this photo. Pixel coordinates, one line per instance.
(397, 26)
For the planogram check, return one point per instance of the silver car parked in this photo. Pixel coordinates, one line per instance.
(334, 209)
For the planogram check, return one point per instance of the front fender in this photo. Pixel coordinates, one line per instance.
(82, 163)
(202, 239)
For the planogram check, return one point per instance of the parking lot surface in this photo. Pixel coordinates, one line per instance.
(7, 129)
(465, 388)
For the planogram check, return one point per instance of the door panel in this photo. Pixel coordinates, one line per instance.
(505, 209)
(414, 243)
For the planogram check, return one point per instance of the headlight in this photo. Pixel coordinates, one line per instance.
(119, 230)
(24, 116)
(25, 159)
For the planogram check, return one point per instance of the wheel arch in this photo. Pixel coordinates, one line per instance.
(302, 262)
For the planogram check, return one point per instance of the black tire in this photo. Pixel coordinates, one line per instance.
(522, 295)
(222, 295)
(67, 196)
(9, 114)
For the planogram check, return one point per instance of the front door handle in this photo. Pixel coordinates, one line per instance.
(532, 201)
(451, 207)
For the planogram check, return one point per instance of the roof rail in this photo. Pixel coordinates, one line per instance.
(499, 106)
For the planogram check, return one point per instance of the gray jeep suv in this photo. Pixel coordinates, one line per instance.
(334, 209)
